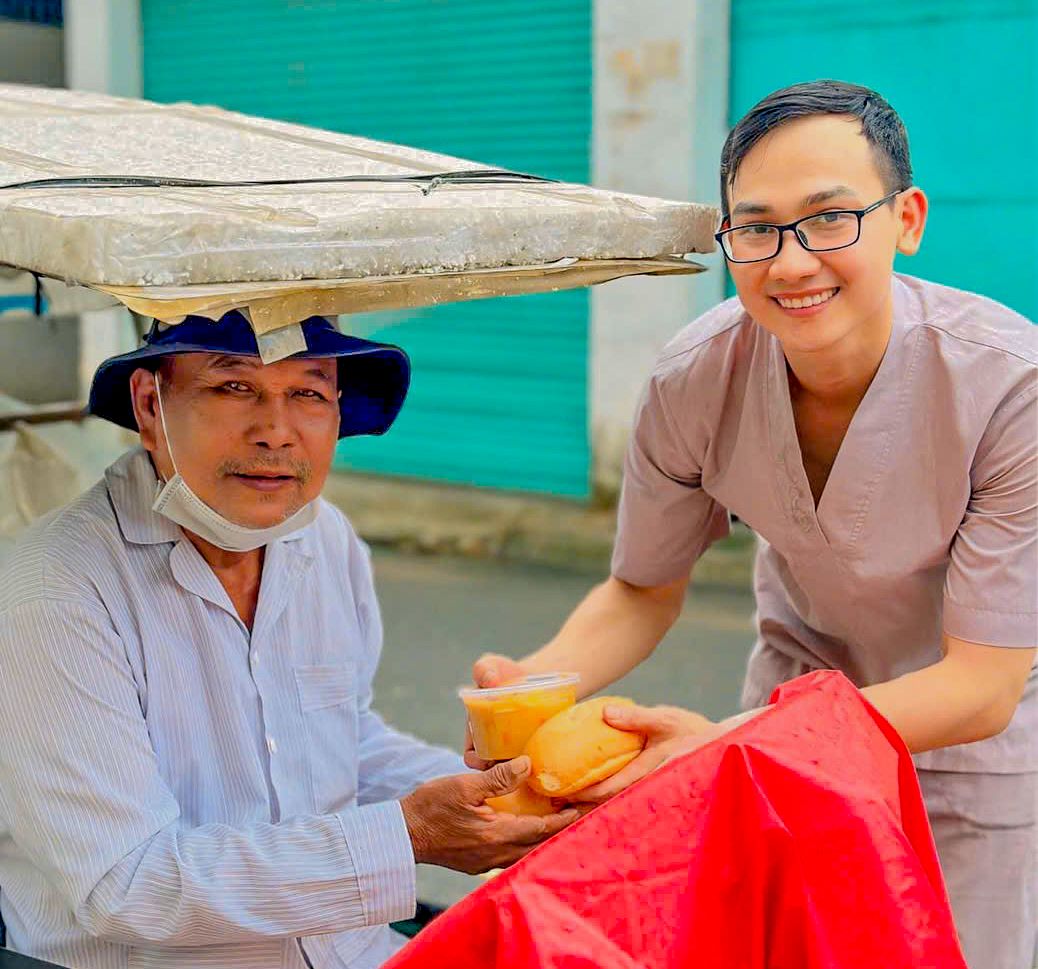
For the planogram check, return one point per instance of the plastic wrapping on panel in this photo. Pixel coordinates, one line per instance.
(276, 304)
(332, 207)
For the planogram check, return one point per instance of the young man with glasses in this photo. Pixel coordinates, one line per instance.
(878, 433)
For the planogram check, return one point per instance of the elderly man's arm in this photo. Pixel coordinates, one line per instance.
(392, 763)
(83, 797)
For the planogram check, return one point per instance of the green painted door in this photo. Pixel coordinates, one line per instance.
(961, 73)
(499, 396)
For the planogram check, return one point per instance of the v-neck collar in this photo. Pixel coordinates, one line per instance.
(864, 453)
(283, 565)
(193, 574)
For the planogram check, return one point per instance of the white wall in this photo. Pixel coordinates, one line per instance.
(38, 357)
(31, 53)
(660, 118)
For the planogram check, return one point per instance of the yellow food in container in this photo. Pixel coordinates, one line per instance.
(502, 719)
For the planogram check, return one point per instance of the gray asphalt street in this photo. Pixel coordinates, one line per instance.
(440, 614)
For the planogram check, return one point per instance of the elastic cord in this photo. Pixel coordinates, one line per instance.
(427, 183)
(162, 420)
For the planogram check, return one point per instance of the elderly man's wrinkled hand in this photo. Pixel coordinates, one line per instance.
(669, 732)
(450, 825)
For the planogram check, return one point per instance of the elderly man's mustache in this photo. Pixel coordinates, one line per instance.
(300, 470)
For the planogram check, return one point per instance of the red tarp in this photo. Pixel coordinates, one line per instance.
(797, 841)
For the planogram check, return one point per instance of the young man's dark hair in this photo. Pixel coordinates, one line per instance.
(880, 125)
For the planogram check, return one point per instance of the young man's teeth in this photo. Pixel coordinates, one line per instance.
(796, 304)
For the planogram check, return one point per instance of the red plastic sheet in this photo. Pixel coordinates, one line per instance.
(797, 841)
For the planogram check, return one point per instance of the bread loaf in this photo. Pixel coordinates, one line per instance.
(577, 748)
(521, 801)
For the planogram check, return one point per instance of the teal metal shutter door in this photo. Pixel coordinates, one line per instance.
(961, 73)
(499, 395)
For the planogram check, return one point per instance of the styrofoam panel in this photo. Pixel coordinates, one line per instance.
(178, 236)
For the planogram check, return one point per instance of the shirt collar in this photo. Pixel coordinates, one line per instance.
(133, 486)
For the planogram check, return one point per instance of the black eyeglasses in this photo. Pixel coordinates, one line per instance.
(824, 232)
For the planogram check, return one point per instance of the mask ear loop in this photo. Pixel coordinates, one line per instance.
(162, 420)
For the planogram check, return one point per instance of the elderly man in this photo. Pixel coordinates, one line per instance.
(191, 771)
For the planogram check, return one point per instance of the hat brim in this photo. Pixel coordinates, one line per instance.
(373, 379)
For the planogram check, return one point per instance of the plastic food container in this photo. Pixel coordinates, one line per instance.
(503, 718)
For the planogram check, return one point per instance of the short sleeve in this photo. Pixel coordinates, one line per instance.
(666, 520)
(991, 588)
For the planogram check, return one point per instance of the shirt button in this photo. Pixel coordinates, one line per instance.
(272, 745)
(255, 658)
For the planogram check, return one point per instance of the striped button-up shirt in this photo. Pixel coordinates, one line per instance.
(175, 790)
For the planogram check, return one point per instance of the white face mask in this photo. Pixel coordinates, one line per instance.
(177, 502)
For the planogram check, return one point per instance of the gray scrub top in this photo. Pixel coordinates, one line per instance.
(928, 522)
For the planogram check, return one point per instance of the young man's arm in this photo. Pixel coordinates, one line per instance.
(990, 607)
(969, 695)
(665, 521)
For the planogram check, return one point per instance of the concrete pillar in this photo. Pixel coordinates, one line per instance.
(103, 46)
(103, 53)
(660, 118)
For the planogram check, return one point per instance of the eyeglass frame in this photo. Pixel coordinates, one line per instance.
(792, 227)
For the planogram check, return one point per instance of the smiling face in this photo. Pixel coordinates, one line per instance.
(814, 301)
(253, 441)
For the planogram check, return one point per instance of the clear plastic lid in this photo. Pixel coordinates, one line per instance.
(528, 684)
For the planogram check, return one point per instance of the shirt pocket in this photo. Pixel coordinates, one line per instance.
(328, 700)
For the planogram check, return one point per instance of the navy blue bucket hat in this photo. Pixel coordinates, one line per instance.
(373, 377)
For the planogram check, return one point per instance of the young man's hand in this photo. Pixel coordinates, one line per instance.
(489, 670)
(450, 825)
(669, 732)
(492, 669)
